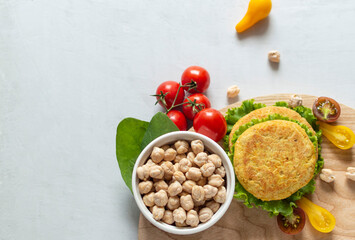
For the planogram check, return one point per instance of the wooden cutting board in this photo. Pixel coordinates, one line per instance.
(338, 197)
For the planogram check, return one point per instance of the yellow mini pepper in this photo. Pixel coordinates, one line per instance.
(257, 10)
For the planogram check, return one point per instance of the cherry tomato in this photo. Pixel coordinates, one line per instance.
(320, 218)
(178, 118)
(326, 109)
(166, 93)
(341, 136)
(195, 103)
(210, 123)
(197, 79)
(292, 224)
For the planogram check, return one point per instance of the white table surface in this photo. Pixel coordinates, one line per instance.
(71, 70)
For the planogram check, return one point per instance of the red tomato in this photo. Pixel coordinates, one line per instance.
(197, 78)
(178, 118)
(166, 93)
(210, 123)
(195, 103)
(292, 224)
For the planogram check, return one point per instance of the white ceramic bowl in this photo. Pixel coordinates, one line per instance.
(212, 147)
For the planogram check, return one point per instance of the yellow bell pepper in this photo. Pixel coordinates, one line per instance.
(257, 10)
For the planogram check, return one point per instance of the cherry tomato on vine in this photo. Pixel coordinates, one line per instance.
(178, 118)
(211, 123)
(195, 103)
(292, 224)
(196, 79)
(326, 109)
(166, 92)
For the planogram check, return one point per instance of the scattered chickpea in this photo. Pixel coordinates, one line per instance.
(205, 214)
(161, 185)
(198, 193)
(179, 215)
(169, 154)
(149, 199)
(221, 195)
(168, 217)
(179, 176)
(197, 146)
(184, 165)
(215, 159)
(188, 185)
(186, 202)
(181, 147)
(157, 155)
(213, 205)
(210, 191)
(215, 180)
(192, 218)
(158, 212)
(350, 173)
(233, 91)
(220, 171)
(161, 198)
(274, 56)
(173, 202)
(201, 159)
(156, 172)
(295, 100)
(145, 187)
(327, 175)
(143, 172)
(208, 169)
(194, 174)
(174, 189)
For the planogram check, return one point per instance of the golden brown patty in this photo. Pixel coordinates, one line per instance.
(274, 159)
(265, 112)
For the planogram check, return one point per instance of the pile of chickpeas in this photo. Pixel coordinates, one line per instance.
(182, 184)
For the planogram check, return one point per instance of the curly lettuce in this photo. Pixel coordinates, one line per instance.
(284, 206)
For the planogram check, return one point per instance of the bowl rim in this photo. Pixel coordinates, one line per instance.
(230, 181)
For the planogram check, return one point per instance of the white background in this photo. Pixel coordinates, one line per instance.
(71, 70)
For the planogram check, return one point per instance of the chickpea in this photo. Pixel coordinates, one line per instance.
(173, 203)
(176, 167)
(205, 214)
(192, 218)
(198, 203)
(169, 154)
(157, 155)
(179, 176)
(168, 168)
(188, 185)
(150, 163)
(215, 180)
(350, 173)
(295, 100)
(145, 187)
(201, 159)
(214, 206)
(202, 182)
(181, 146)
(274, 56)
(179, 215)
(197, 146)
(183, 194)
(158, 212)
(191, 156)
(233, 91)
(174, 189)
(194, 174)
(168, 217)
(149, 199)
(179, 157)
(327, 175)
(161, 185)
(156, 172)
(220, 171)
(186, 202)
(210, 191)
(184, 165)
(165, 147)
(221, 195)
(143, 172)
(208, 169)
(181, 224)
(161, 198)
(215, 159)
(198, 193)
